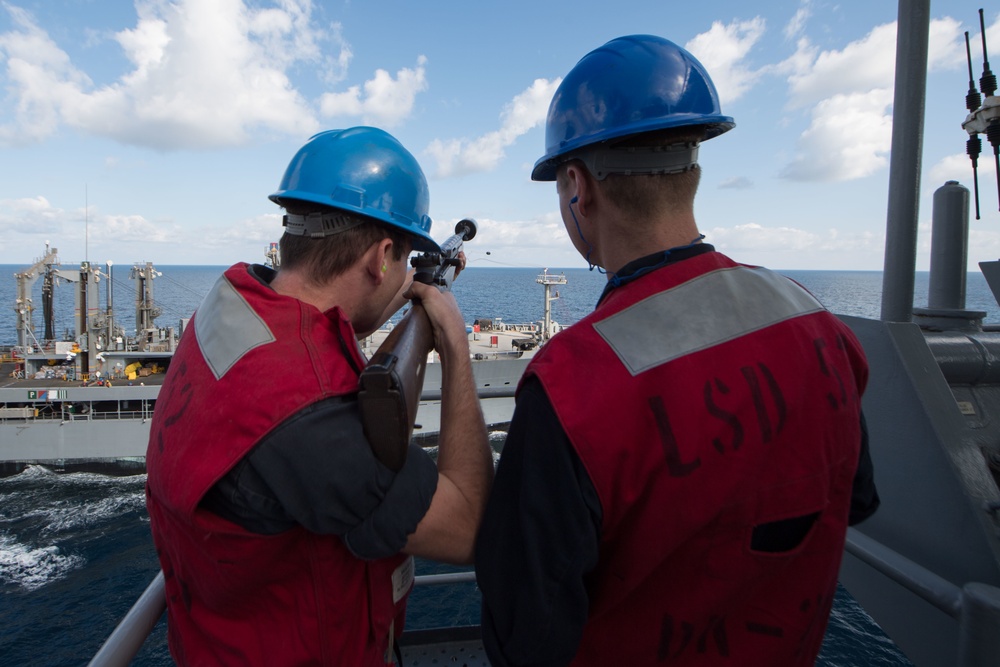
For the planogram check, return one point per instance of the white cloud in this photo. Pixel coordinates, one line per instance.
(203, 74)
(849, 94)
(736, 183)
(849, 137)
(722, 51)
(386, 101)
(773, 246)
(755, 236)
(526, 111)
(958, 167)
(863, 65)
(752, 236)
(514, 238)
(797, 23)
(261, 229)
(984, 245)
(131, 228)
(34, 216)
(38, 74)
(946, 44)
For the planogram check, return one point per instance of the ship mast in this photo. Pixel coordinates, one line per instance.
(547, 280)
(145, 311)
(24, 306)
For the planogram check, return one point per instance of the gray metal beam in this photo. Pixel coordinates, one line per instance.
(912, 29)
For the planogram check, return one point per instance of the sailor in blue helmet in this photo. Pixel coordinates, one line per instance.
(683, 463)
(283, 540)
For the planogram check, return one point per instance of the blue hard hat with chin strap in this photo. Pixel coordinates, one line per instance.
(629, 86)
(362, 170)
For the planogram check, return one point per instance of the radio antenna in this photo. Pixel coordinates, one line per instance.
(988, 84)
(984, 112)
(974, 146)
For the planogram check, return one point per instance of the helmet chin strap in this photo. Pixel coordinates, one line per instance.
(579, 231)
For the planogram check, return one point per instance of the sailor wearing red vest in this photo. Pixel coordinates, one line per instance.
(282, 539)
(683, 463)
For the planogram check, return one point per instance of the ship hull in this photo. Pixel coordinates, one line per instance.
(108, 427)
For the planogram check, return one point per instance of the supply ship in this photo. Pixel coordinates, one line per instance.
(86, 402)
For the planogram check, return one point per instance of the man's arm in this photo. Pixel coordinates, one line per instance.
(465, 461)
(317, 470)
(864, 495)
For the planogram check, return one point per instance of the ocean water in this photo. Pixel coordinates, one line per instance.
(75, 549)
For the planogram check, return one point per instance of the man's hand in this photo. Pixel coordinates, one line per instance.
(445, 317)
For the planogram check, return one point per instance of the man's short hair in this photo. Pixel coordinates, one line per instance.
(321, 259)
(641, 196)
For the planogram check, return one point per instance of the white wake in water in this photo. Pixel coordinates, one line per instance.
(33, 567)
(38, 508)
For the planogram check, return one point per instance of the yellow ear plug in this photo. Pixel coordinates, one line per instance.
(384, 269)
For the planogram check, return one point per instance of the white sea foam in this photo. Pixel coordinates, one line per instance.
(37, 504)
(65, 502)
(69, 516)
(33, 567)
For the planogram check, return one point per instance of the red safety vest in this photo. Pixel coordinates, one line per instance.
(705, 399)
(254, 358)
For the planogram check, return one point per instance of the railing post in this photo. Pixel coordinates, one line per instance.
(979, 626)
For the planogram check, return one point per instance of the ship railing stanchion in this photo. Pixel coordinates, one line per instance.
(976, 606)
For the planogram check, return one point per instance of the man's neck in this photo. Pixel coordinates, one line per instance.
(625, 242)
(339, 291)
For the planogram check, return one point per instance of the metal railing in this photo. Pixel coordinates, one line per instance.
(975, 605)
(124, 642)
(133, 415)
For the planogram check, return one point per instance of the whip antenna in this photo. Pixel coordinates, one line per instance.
(974, 146)
(988, 84)
(984, 115)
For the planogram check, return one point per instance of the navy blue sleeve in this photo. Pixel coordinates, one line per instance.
(864, 495)
(539, 538)
(317, 470)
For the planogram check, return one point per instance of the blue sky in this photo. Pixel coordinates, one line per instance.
(154, 130)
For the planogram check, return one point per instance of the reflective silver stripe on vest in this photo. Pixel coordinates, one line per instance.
(227, 328)
(701, 313)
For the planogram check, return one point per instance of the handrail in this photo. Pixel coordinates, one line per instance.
(931, 587)
(124, 642)
(975, 605)
(128, 637)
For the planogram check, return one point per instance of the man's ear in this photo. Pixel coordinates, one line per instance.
(377, 259)
(580, 185)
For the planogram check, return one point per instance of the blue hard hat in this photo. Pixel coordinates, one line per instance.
(363, 170)
(631, 85)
